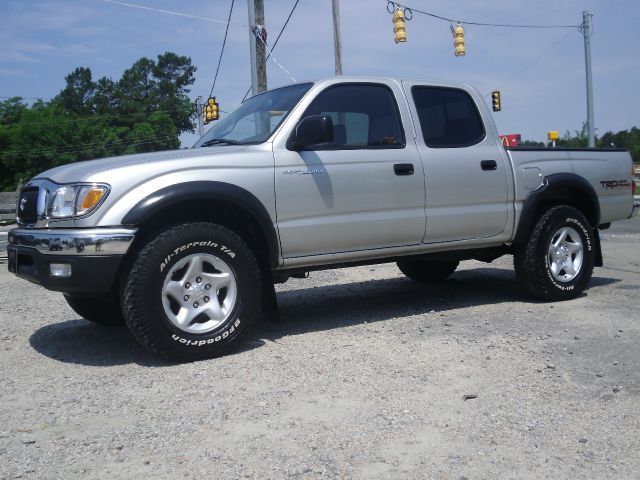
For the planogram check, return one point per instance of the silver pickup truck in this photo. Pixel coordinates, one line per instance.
(185, 246)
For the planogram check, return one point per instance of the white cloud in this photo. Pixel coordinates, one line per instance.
(15, 72)
(17, 57)
(34, 47)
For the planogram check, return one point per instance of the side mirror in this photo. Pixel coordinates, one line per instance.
(312, 130)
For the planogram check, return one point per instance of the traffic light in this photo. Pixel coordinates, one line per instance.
(398, 26)
(495, 100)
(211, 110)
(458, 40)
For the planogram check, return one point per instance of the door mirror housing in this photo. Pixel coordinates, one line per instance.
(312, 130)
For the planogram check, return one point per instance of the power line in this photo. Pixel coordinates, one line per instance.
(83, 146)
(99, 116)
(23, 98)
(273, 57)
(282, 29)
(277, 39)
(197, 17)
(168, 12)
(393, 5)
(224, 42)
(534, 60)
(79, 147)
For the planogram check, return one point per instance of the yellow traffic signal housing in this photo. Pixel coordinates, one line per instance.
(495, 100)
(211, 110)
(458, 40)
(398, 26)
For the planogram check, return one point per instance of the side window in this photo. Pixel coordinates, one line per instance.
(448, 117)
(364, 116)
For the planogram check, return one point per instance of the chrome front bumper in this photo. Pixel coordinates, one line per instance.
(77, 242)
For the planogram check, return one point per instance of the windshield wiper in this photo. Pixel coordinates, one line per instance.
(221, 141)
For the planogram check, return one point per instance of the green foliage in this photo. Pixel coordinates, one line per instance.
(627, 139)
(579, 140)
(144, 111)
(531, 143)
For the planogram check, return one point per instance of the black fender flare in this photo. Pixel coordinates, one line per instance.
(552, 184)
(211, 191)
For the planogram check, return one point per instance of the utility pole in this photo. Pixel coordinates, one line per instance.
(337, 44)
(586, 33)
(256, 47)
(199, 113)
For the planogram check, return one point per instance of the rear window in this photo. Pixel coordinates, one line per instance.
(448, 117)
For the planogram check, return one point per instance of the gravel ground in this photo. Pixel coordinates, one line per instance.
(367, 376)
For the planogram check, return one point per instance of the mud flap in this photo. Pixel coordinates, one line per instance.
(597, 261)
(270, 310)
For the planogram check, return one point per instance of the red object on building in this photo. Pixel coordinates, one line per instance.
(511, 140)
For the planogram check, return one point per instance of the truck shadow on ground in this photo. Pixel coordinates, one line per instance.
(301, 311)
(81, 342)
(341, 305)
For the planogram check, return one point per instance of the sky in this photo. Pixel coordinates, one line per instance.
(540, 72)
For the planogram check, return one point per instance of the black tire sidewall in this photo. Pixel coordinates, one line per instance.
(566, 217)
(204, 239)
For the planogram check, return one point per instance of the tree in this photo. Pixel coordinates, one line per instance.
(530, 143)
(174, 74)
(579, 140)
(76, 96)
(145, 110)
(160, 86)
(629, 139)
(103, 99)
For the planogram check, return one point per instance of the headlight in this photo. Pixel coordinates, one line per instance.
(75, 200)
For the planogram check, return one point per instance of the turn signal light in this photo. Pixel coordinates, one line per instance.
(92, 197)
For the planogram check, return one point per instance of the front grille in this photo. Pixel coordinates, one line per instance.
(28, 206)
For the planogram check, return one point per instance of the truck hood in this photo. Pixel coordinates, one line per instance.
(161, 161)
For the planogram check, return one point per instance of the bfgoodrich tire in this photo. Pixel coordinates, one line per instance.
(192, 292)
(97, 309)
(427, 270)
(557, 261)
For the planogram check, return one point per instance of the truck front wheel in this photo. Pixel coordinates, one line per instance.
(557, 261)
(192, 291)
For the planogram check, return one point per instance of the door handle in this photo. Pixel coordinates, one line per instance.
(489, 165)
(403, 168)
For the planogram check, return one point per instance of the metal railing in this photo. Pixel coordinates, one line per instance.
(8, 203)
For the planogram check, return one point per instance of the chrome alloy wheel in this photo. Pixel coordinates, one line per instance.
(566, 254)
(199, 293)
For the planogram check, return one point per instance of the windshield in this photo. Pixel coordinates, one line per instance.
(256, 119)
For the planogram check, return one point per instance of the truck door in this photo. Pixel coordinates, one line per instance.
(465, 170)
(364, 190)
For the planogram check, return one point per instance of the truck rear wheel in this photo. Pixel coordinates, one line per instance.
(557, 261)
(192, 291)
(427, 270)
(97, 309)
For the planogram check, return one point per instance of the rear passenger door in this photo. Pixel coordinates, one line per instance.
(465, 170)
